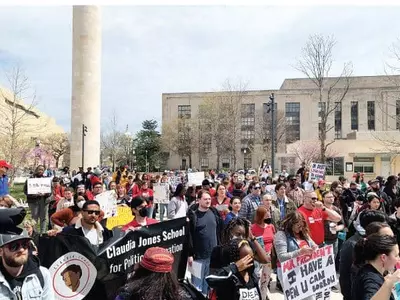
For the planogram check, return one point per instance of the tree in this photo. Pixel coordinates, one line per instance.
(112, 141)
(308, 152)
(316, 63)
(148, 146)
(180, 136)
(57, 145)
(18, 119)
(219, 122)
(262, 147)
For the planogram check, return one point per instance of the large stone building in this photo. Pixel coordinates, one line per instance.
(364, 125)
(31, 125)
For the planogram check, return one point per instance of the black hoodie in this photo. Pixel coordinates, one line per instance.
(32, 266)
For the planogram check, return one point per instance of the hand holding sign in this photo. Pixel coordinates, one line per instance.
(306, 251)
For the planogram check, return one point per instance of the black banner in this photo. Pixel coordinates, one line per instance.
(115, 260)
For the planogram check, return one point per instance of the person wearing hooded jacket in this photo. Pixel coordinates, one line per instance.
(237, 280)
(21, 276)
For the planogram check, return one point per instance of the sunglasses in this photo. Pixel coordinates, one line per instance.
(91, 212)
(16, 245)
(257, 187)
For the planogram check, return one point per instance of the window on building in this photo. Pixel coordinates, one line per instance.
(184, 111)
(247, 160)
(354, 115)
(334, 166)
(289, 164)
(338, 120)
(205, 145)
(371, 115)
(292, 114)
(398, 114)
(248, 121)
(226, 163)
(248, 110)
(364, 164)
(247, 134)
(321, 109)
(204, 163)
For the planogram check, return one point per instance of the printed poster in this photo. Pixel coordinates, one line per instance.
(306, 275)
(317, 171)
(195, 178)
(108, 203)
(39, 186)
(161, 193)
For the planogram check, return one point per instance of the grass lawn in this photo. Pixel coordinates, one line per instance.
(17, 191)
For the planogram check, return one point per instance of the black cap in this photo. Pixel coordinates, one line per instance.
(10, 218)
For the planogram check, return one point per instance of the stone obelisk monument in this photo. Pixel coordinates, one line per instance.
(86, 86)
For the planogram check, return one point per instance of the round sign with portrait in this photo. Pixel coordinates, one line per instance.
(73, 276)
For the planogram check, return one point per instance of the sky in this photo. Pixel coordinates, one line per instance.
(150, 50)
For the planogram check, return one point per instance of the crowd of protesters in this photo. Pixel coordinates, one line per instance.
(241, 228)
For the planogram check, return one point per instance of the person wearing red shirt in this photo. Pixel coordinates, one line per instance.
(147, 193)
(315, 214)
(206, 185)
(140, 211)
(263, 228)
(221, 202)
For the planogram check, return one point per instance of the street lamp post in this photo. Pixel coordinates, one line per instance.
(244, 160)
(272, 110)
(147, 169)
(84, 130)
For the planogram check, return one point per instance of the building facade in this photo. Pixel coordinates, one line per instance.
(30, 126)
(359, 123)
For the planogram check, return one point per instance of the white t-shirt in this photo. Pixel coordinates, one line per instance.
(182, 210)
(92, 235)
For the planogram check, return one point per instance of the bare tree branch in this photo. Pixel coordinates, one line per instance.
(315, 63)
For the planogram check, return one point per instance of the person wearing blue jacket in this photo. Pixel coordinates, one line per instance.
(4, 189)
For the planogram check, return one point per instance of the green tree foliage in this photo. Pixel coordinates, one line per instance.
(148, 145)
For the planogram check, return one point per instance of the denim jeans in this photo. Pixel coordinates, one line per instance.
(200, 283)
(150, 211)
(163, 210)
(40, 212)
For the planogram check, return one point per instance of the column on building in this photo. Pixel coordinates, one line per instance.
(86, 85)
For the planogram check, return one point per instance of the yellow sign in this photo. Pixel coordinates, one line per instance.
(123, 217)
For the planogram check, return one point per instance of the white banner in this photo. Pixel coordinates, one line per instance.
(317, 171)
(108, 203)
(304, 276)
(161, 193)
(39, 186)
(195, 178)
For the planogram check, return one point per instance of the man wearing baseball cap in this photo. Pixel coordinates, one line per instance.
(21, 276)
(4, 166)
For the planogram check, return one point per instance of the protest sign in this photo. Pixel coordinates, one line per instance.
(195, 178)
(271, 189)
(123, 216)
(115, 259)
(317, 171)
(108, 203)
(161, 193)
(307, 275)
(73, 276)
(39, 186)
